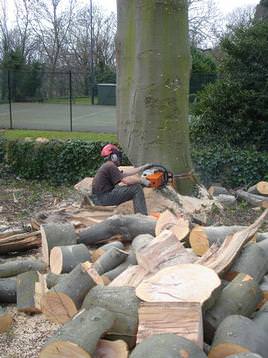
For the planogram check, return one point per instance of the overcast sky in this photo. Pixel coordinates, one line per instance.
(225, 6)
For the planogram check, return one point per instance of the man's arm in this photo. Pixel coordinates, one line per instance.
(133, 171)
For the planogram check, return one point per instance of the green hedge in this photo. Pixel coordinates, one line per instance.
(69, 161)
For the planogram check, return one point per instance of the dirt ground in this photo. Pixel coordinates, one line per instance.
(19, 200)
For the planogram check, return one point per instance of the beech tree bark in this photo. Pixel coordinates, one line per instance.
(154, 64)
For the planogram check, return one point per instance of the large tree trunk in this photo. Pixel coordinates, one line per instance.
(153, 83)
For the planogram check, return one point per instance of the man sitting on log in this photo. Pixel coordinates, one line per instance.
(112, 187)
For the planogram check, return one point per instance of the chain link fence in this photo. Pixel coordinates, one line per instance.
(44, 100)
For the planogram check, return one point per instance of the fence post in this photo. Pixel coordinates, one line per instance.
(9, 100)
(71, 100)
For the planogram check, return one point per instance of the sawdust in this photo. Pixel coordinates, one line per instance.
(27, 336)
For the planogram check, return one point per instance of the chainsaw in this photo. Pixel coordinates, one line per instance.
(159, 176)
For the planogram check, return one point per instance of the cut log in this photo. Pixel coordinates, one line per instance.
(264, 289)
(261, 318)
(52, 279)
(111, 349)
(63, 301)
(252, 199)
(238, 334)
(141, 241)
(56, 235)
(245, 355)
(220, 259)
(167, 345)
(241, 296)
(13, 268)
(80, 336)
(131, 277)
(123, 302)
(202, 238)
(5, 320)
(63, 259)
(252, 261)
(101, 250)
(226, 200)
(166, 220)
(111, 259)
(20, 242)
(260, 188)
(111, 275)
(26, 292)
(127, 227)
(215, 190)
(181, 283)
(8, 290)
(260, 236)
(181, 318)
(264, 246)
(164, 247)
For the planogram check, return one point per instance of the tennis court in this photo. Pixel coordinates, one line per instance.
(46, 116)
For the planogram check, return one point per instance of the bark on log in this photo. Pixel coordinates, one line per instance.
(52, 279)
(56, 235)
(202, 238)
(237, 334)
(20, 242)
(220, 259)
(260, 188)
(181, 318)
(261, 236)
(264, 288)
(123, 302)
(63, 259)
(141, 241)
(252, 261)
(164, 247)
(101, 250)
(126, 227)
(80, 336)
(175, 284)
(215, 190)
(64, 299)
(226, 200)
(111, 275)
(261, 318)
(111, 349)
(111, 259)
(241, 296)
(26, 292)
(264, 246)
(167, 345)
(13, 268)
(5, 320)
(252, 199)
(8, 290)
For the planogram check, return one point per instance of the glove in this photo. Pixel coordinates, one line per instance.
(145, 182)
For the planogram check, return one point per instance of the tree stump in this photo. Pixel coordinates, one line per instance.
(202, 238)
(241, 296)
(167, 345)
(80, 336)
(5, 320)
(127, 227)
(8, 290)
(26, 292)
(251, 261)
(56, 235)
(63, 259)
(123, 302)
(238, 334)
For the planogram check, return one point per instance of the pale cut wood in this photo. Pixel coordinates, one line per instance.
(111, 349)
(202, 238)
(79, 337)
(161, 249)
(165, 221)
(181, 283)
(181, 318)
(132, 277)
(5, 320)
(56, 235)
(20, 242)
(260, 188)
(220, 259)
(254, 200)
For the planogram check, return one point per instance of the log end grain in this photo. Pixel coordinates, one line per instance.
(111, 349)
(56, 260)
(64, 349)
(199, 241)
(5, 320)
(226, 349)
(58, 307)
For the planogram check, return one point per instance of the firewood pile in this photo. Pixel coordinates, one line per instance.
(127, 285)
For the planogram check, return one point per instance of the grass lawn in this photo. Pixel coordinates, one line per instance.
(90, 136)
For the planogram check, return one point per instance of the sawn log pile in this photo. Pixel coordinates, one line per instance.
(128, 285)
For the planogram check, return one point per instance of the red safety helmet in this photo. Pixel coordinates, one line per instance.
(109, 149)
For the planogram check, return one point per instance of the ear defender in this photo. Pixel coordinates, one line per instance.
(114, 157)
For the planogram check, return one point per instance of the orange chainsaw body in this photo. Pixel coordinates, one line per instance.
(156, 179)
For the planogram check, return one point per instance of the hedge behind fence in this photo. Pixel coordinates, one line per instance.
(69, 161)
